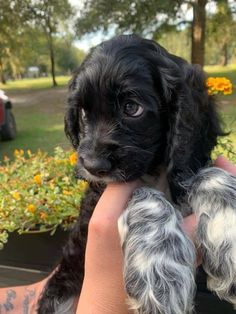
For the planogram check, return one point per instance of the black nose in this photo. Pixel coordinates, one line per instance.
(98, 167)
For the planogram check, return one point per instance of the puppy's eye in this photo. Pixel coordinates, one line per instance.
(132, 109)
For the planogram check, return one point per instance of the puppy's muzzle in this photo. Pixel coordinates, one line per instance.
(98, 167)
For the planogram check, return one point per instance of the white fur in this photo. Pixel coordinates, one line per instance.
(159, 274)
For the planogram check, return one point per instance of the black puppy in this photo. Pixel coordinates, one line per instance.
(134, 109)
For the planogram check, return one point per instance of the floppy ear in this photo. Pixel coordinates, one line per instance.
(193, 128)
(72, 113)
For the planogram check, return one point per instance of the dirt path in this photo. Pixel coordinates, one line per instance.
(48, 99)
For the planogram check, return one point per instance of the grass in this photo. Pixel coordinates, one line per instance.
(39, 111)
(36, 130)
(37, 83)
(39, 116)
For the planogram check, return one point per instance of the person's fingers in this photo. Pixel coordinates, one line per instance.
(103, 236)
(225, 164)
(189, 226)
(112, 202)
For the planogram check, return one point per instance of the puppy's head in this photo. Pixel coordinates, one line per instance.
(122, 108)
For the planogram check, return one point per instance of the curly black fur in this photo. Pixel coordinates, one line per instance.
(177, 130)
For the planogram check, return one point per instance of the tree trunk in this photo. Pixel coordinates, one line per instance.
(2, 77)
(198, 31)
(52, 59)
(224, 55)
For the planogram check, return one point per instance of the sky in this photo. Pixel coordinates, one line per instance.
(88, 41)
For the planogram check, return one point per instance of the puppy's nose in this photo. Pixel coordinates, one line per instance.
(98, 167)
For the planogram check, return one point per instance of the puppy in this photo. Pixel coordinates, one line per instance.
(133, 110)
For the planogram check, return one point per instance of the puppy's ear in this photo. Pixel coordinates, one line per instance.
(193, 128)
(72, 113)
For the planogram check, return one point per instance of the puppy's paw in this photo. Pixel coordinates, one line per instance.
(158, 258)
(213, 199)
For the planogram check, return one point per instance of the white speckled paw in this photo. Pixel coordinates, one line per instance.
(213, 199)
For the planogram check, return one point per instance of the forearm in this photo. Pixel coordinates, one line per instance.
(110, 300)
(21, 299)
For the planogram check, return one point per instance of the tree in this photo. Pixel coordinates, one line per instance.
(177, 42)
(49, 14)
(147, 17)
(198, 31)
(221, 30)
(11, 13)
(68, 56)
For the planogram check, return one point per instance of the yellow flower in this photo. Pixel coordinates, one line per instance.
(18, 153)
(38, 179)
(73, 159)
(58, 161)
(82, 185)
(65, 192)
(16, 195)
(31, 208)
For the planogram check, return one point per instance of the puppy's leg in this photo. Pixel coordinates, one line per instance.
(213, 199)
(63, 288)
(159, 260)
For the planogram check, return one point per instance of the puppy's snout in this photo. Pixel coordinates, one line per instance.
(98, 167)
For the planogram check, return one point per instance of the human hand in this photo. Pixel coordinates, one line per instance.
(103, 290)
(190, 222)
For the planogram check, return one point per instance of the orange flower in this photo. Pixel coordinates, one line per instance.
(38, 179)
(73, 159)
(218, 85)
(31, 208)
(43, 215)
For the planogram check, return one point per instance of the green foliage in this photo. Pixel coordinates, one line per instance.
(12, 12)
(225, 147)
(34, 83)
(29, 29)
(68, 57)
(126, 15)
(221, 29)
(38, 192)
(177, 42)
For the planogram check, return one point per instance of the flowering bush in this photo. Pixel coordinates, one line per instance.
(217, 85)
(38, 192)
(222, 85)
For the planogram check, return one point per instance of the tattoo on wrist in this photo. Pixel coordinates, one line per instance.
(8, 305)
(29, 295)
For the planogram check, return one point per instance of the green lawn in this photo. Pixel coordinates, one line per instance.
(38, 83)
(36, 130)
(39, 116)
